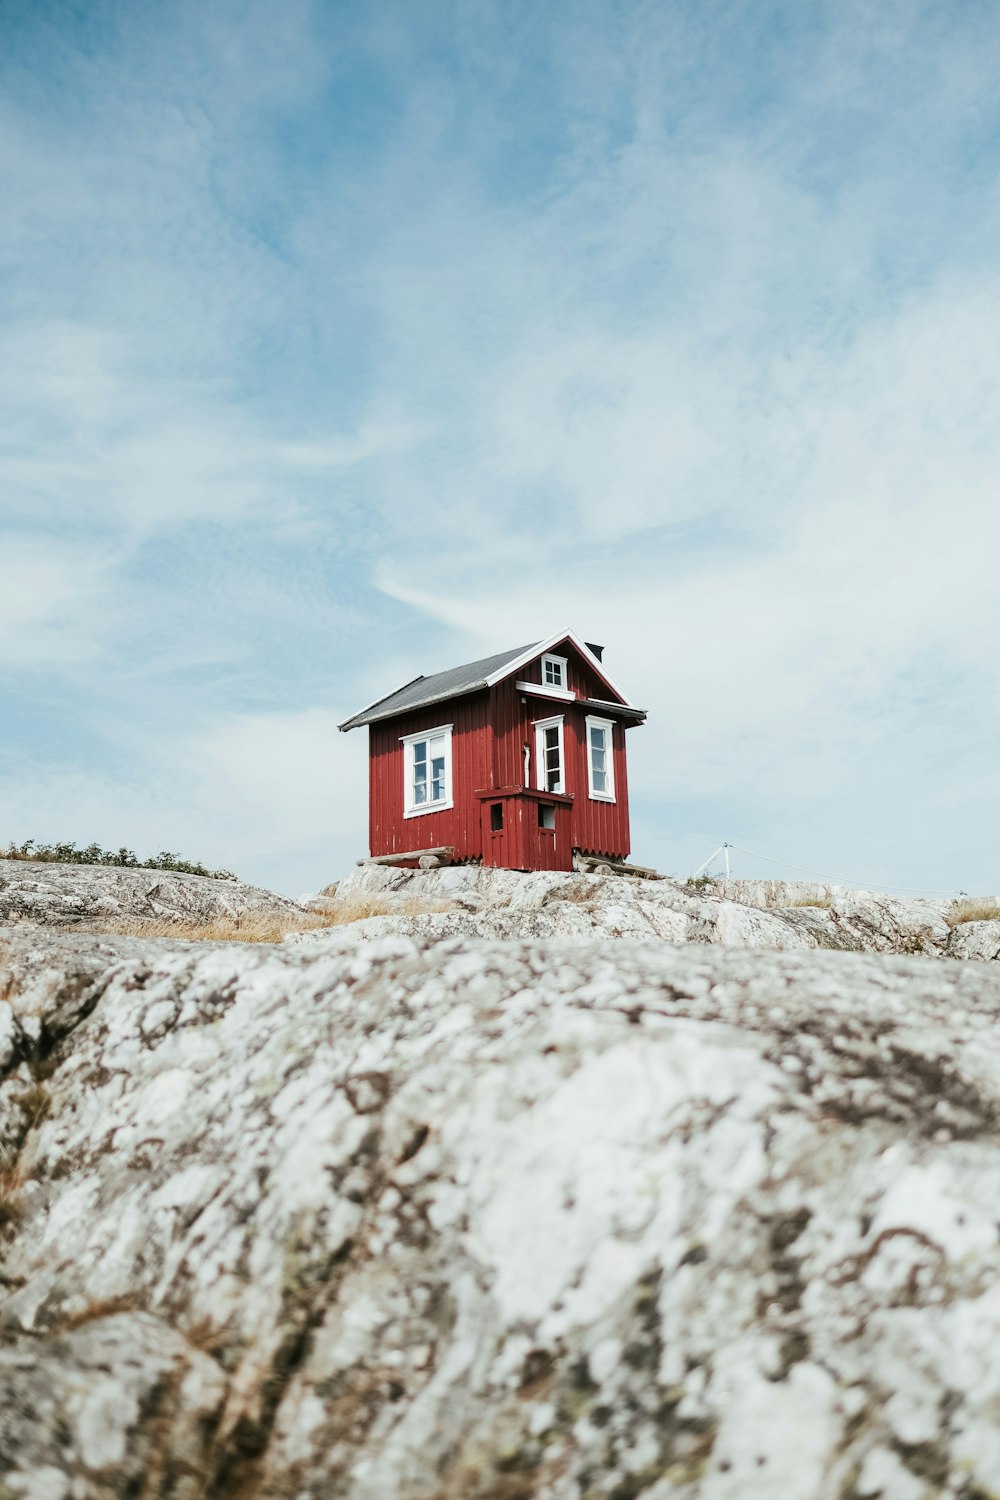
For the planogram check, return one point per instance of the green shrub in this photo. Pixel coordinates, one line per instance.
(93, 854)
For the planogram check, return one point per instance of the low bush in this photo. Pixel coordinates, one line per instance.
(93, 854)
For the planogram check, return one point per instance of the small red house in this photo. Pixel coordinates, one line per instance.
(517, 760)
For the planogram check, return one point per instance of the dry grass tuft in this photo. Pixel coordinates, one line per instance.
(11, 1183)
(974, 909)
(825, 901)
(205, 1334)
(260, 927)
(101, 1307)
(34, 1103)
(582, 894)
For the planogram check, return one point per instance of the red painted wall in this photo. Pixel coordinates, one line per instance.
(388, 830)
(521, 843)
(490, 730)
(598, 827)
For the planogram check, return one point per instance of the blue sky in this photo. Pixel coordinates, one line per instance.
(343, 342)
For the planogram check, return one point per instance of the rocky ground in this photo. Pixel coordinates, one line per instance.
(746, 914)
(75, 895)
(466, 1218)
(469, 901)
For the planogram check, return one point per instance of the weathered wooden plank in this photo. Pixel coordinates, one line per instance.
(440, 851)
(596, 863)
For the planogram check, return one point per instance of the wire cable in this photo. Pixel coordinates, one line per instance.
(913, 890)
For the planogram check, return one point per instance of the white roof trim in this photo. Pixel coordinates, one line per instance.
(546, 646)
(542, 690)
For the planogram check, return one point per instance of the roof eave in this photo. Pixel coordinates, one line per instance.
(366, 717)
(356, 720)
(625, 710)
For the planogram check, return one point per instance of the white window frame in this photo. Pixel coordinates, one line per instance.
(562, 662)
(557, 722)
(409, 741)
(608, 726)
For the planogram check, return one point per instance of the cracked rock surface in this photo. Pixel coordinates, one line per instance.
(38, 891)
(468, 1219)
(738, 913)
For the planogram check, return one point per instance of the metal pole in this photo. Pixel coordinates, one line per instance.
(707, 862)
(727, 847)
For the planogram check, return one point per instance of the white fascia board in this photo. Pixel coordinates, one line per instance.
(545, 646)
(542, 690)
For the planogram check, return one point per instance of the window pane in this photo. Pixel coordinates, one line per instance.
(428, 770)
(550, 757)
(600, 747)
(420, 773)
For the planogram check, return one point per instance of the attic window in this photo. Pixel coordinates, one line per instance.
(427, 771)
(554, 672)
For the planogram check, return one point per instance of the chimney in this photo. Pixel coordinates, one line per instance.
(597, 650)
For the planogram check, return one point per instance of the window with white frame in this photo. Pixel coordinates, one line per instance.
(549, 758)
(600, 759)
(554, 672)
(427, 771)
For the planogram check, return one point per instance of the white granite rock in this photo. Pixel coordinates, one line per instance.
(975, 940)
(37, 891)
(534, 1220)
(491, 903)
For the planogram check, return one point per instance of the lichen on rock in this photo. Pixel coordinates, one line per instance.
(476, 1217)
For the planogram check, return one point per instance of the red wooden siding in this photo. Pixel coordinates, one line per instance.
(392, 833)
(520, 843)
(491, 728)
(598, 827)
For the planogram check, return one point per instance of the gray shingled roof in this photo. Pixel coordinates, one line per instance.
(423, 691)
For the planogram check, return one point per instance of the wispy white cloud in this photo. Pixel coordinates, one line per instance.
(55, 604)
(274, 796)
(673, 323)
